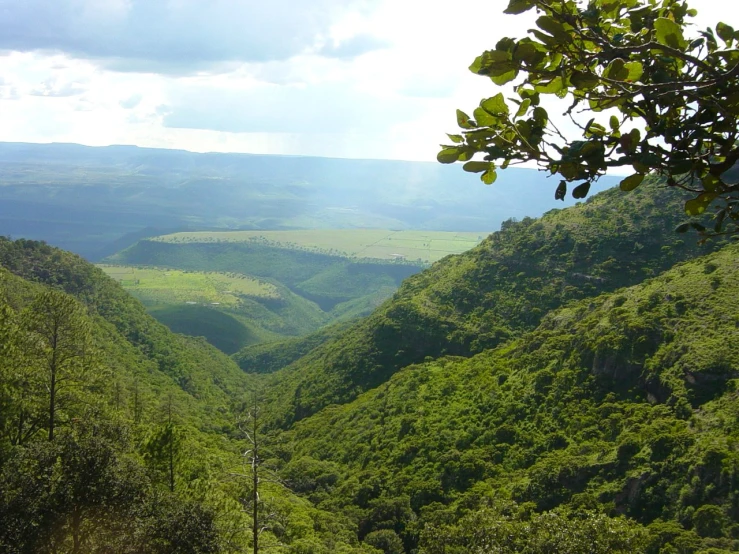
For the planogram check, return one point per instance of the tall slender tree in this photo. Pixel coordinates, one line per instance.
(258, 474)
(60, 346)
(163, 449)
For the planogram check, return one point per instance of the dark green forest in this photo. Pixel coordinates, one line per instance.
(569, 385)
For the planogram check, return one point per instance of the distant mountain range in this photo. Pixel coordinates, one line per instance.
(97, 200)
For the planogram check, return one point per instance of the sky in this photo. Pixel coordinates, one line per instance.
(337, 78)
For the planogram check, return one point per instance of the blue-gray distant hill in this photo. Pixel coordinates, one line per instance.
(87, 199)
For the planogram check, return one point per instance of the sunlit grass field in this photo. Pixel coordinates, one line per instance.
(426, 246)
(171, 286)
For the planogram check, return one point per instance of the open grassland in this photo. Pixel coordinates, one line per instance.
(170, 286)
(382, 244)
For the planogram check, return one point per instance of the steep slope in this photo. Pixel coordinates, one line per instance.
(147, 453)
(273, 356)
(467, 303)
(622, 404)
(196, 367)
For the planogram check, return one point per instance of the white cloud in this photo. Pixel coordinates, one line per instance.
(364, 78)
(170, 36)
(130, 102)
(56, 88)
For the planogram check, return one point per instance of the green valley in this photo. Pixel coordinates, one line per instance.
(262, 353)
(275, 289)
(169, 286)
(574, 375)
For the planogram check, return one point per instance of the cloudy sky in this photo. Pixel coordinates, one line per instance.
(341, 78)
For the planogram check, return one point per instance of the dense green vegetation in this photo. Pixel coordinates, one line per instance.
(567, 386)
(623, 404)
(141, 450)
(475, 301)
(220, 329)
(272, 356)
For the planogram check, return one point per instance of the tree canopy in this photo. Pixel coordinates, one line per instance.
(645, 89)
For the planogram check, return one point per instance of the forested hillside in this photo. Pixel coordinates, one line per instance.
(515, 398)
(624, 404)
(475, 301)
(317, 355)
(117, 435)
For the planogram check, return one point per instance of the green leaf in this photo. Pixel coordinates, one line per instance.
(681, 166)
(456, 139)
(581, 191)
(448, 155)
(519, 6)
(552, 26)
(584, 80)
(600, 104)
(553, 86)
(495, 105)
(631, 182)
(541, 116)
(711, 182)
(698, 205)
(561, 191)
(635, 71)
(613, 123)
(527, 52)
(682, 228)
(488, 61)
(463, 120)
(616, 70)
(504, 78)
(489, 177)
(522, 109)
(725, 33)
(720, 217)
(485, 119)
(669, 33)
(569, 170)
(476, 167)
(595, 130)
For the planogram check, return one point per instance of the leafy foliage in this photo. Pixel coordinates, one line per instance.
(662, 102)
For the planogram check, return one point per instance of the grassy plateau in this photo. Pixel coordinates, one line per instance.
(378, 244)
(154, 285)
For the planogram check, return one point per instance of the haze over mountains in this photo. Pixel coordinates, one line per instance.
(88, 199)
